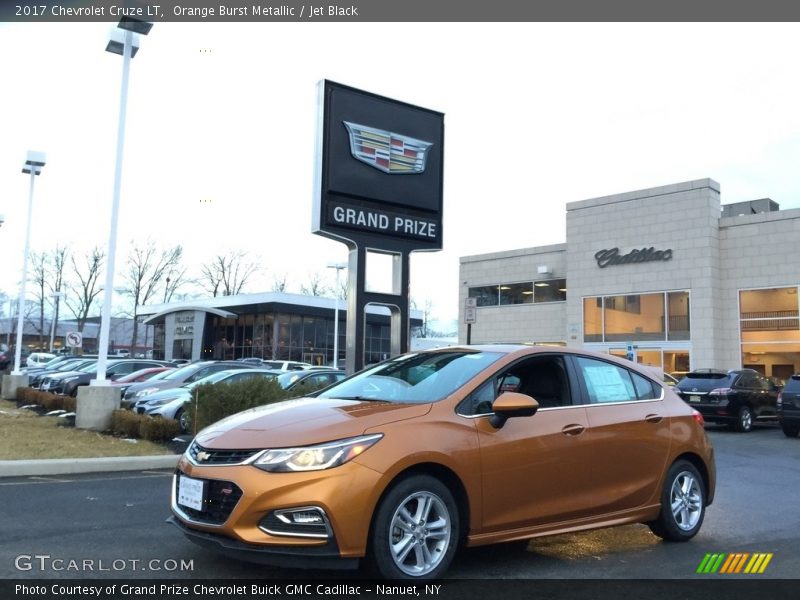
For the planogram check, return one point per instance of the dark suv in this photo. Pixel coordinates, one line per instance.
(735, 398)
(789, 407)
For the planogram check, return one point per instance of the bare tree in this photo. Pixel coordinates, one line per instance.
(39, 277)
(57, 262)
(86, 288)
(315, 286)
(147, 268)
(226, 275)
(424, 330)
(279, 283)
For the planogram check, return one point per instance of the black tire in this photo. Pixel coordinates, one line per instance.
(790, 431)
(744, 420)
(184, 420)
(415, 530)
(683, 504)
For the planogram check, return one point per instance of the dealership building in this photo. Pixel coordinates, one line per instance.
(271, 325)
(667, 274)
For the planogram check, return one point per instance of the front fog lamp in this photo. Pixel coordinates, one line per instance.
(307, 521)
(315, 458)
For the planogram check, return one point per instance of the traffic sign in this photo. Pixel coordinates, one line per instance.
(74, 339)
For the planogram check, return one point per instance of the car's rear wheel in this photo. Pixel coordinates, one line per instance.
(789, 430)
(683, 504)
(744, 420)
(415, 531)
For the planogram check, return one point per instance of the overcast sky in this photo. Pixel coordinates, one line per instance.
(219, 151)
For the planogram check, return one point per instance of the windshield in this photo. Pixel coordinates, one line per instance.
(414, 378)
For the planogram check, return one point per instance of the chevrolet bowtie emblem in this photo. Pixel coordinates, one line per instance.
(386, 151)
(203, 455)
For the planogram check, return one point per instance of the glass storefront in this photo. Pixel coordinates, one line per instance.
(769, 324)
(527, 292)
(660, 316)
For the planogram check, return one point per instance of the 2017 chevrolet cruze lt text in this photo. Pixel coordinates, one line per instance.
(401, 463)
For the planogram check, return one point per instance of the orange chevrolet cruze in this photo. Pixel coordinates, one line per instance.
(403, 462)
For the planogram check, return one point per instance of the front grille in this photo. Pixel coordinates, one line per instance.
(218, 457)
(219, 500)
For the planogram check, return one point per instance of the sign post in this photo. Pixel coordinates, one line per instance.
(470, 316)
(378, 189)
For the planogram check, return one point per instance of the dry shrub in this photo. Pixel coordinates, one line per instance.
(158, 429)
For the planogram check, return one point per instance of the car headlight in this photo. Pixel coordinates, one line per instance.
(315, 458)
(145, 392)
(70, 379)
(159, 402)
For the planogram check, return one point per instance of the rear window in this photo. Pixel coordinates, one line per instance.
(705, 381)
(793, 384)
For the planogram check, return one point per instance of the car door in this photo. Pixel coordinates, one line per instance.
(533, 468)
(629, 434)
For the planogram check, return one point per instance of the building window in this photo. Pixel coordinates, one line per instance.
(516, 293)
(769, 322)
(527, 292)
(636, 317)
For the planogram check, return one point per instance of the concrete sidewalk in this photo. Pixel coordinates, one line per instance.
(72, 466)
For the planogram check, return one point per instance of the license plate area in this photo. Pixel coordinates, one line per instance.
(694, 398)
(191, 492)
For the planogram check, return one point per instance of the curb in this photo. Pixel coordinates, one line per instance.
(72, 466)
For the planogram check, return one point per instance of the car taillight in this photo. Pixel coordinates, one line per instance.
(698, 418)
(719, 392)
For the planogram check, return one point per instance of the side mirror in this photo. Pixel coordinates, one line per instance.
(512, 404)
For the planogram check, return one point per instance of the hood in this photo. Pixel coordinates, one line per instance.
(169, 393)
(63, 374)
(304, 421)
(159, 384)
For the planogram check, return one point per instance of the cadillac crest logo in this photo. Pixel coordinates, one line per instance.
(203, 455)
(386, 151)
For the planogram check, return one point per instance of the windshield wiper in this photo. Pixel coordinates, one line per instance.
(361, 398)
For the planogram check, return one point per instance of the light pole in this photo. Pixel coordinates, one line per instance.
(338, 267)
(33, 167)
(55, 296)
(128, 29)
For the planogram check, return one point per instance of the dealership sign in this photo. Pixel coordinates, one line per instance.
(613, 257)
(379, 171)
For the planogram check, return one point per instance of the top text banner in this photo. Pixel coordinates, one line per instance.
(402, 11)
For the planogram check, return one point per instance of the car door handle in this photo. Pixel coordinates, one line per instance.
(573, 429)
(653, 418)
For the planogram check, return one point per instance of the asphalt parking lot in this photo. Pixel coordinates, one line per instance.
(115, 524)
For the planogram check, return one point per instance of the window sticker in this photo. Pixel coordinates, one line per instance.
(606, 384)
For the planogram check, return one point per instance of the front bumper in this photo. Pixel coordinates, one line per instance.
(314, 557)
(240, 499)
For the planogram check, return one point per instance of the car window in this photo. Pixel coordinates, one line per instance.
(544, 378)
(414, 378)
(609, 383)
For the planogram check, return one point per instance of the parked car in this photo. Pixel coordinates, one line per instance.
(285, 365)
(74, 365)
(180, 376)
(401, 463)
(69, 382)
(170, 403)
(146, 374)
(37, 359)
(309, 379)
(789, 407)
(736, 398)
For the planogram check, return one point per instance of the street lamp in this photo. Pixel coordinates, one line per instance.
(55, 296)
(124, 41)
(33, 167)
(338, 267)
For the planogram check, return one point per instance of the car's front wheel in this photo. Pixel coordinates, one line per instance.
(683, 504)
(415, 531)
(184, 420)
